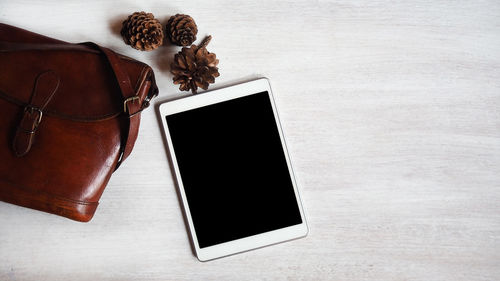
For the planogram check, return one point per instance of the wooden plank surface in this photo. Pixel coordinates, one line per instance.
(391, 111)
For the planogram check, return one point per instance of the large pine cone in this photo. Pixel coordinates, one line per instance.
(181, 30)
(142, 31)
(195, 67)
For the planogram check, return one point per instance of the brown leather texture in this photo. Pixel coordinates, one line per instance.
(70, 114)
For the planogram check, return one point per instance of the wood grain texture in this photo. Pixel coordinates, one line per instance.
(392, 115)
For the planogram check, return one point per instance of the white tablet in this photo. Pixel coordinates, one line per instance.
(233, 170)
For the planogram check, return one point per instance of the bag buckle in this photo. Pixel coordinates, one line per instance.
(30, 109)
(127, 100)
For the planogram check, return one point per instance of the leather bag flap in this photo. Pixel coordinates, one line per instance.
(88, 89)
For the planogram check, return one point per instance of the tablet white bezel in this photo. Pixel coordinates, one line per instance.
(251, 242)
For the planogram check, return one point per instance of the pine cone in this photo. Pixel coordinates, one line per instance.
(195, 67)
(142, 31)
(181, 30)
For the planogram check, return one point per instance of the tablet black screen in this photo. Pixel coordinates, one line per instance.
(234, 170)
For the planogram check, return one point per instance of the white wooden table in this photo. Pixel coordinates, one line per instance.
(392, 116)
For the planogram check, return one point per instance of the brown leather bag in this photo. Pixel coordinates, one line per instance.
(70, 115)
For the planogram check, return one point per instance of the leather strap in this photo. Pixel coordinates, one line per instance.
(131, 102)
(45, 87)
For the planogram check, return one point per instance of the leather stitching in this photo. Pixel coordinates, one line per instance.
(90, 118)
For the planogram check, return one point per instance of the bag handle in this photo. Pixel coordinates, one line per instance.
(131, 102)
